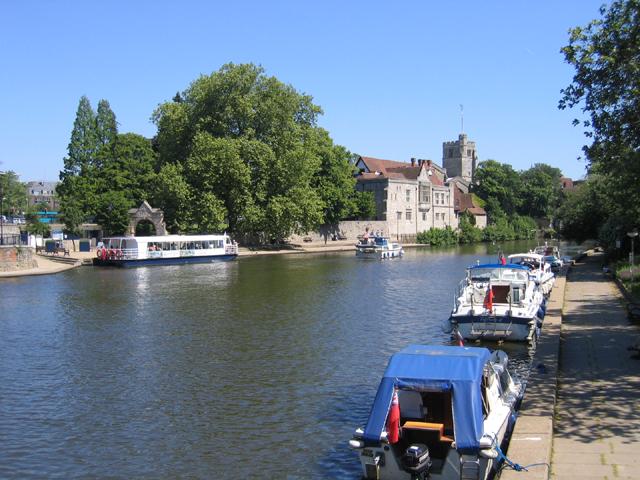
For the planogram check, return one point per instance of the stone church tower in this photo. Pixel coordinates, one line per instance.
(459, 158)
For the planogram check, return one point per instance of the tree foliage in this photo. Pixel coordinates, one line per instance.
(606, 87)
(105, 173)
(13, 191)
(250, 157)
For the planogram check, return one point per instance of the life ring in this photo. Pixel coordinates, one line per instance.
(119, 253)
(112, 254)
(99, 253)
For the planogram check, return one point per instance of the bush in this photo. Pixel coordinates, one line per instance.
(438, 237)
(469, 233)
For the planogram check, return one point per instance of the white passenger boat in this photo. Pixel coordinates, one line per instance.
(540, 269)
(378, 247)
(165, 250)
(441, 413)
(498, 302)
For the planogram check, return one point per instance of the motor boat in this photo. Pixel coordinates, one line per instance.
(378, 247)
(540, 268)
(498, 302)
(440, 412)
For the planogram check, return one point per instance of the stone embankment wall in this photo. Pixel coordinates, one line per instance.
(345, 231)
(17, 258)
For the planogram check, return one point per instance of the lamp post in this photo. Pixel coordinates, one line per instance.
(632, 235)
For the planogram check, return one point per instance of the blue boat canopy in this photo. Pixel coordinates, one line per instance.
(439, 369)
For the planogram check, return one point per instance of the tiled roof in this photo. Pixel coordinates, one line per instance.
(463, 202)
(397, 170)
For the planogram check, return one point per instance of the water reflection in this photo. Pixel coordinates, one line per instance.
(265, 364)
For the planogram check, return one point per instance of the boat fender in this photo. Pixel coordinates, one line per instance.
(489, 453)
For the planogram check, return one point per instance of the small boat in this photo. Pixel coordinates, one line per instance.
(164, 250)
(540, 268)
(547, 250)
(440, 412)
(378, 247)
(498, 302)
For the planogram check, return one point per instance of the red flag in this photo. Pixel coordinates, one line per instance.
(393, 420)
(488, 300)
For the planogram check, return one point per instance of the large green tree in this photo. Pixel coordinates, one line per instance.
(13, 192)
(606, 87)
(501, 182)
(541, 192)
(249, 156)
(78, 179)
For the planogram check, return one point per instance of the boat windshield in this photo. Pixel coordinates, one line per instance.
(531, 262)
(498, 274)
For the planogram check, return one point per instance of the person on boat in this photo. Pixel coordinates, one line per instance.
(502, 259)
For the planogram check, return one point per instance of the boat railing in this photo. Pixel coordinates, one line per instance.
(231, 249)
(458, 293)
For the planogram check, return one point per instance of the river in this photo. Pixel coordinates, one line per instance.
(262, 366)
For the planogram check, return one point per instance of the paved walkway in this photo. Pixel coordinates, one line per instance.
(596, 431)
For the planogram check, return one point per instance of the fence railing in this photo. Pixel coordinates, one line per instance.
(13, 239)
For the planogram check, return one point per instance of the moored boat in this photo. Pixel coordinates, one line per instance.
(540, 269)
(440, 412)
(498, 302)
(165, 250)
(378, 247)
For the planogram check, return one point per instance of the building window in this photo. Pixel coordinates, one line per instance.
(399, 214)
(424, 216)
(408, 195)
(424, 194)
(408, 215)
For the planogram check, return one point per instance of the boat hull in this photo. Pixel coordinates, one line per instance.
(509, 328)
(145, 262)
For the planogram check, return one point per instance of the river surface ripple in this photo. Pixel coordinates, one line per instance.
(262, 366)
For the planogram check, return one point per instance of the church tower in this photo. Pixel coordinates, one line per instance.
(459, 158)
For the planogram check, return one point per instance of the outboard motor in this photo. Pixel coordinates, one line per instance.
(416, 460)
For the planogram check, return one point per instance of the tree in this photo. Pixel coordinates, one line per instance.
(77, 188)
(106, 134)
(249, 155)
(542, 190)
(580, 215)
(501, 182)
(606, 86)
(13, 191)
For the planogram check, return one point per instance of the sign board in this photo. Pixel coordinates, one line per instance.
(57, 235)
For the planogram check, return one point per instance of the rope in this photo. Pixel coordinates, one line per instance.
(513, 465)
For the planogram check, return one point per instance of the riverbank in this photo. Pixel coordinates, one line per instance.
(579, 418)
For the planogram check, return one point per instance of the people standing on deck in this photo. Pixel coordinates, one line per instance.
(502, 259)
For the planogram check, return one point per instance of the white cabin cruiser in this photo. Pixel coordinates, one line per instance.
(498, 302)
(440, 413)
(541, 270)
(378, 247)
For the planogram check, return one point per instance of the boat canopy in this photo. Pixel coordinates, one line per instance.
(435, 369)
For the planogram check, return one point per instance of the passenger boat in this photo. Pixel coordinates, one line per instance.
(498, 302)
(378, 247)
(539, 267)
(440, 412)
(165, 250)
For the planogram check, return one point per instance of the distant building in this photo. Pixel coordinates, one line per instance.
(40, 192)
(459, 158)
(567, 183)
(410, 197)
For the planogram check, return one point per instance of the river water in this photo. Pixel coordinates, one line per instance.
(262, 366)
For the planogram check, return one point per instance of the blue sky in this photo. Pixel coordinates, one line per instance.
(390, 76)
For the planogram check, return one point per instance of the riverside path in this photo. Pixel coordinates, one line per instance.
(596, 431)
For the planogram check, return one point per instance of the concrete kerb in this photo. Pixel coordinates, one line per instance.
(532, 438)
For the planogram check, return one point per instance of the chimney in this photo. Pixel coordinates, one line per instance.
(413, 162)
(428, 163)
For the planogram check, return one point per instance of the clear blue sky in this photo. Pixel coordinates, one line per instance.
(390, 76)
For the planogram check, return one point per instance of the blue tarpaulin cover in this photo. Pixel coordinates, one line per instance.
(435, 368)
